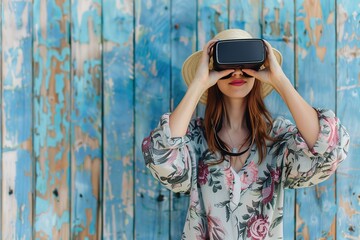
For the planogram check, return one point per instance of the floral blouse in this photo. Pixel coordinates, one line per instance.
(248, 204)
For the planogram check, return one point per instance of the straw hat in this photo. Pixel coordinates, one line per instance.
(191, 63)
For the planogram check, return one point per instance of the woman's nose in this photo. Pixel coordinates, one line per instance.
(238, 72)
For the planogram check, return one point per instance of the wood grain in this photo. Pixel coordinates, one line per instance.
(17, 140)
(278, 30)
(118, 120)
(86, 117)
(348, 100)
(246, 15)
(83, 82)
(213, 17)
(152, 94)
(315, 78)
(183, 43)
(52, 119)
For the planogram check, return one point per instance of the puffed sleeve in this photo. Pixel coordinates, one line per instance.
(301, 166)
(171, 159)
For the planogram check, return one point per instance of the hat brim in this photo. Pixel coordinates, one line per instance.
(191, 63)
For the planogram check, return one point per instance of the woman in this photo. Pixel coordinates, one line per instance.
(236, 162)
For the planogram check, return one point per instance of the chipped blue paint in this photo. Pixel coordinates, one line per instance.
(246, 14)
(183, 40)
(152, 94)
(278, 29)
(213, 18)
(1, 119)
(348, 99)
(82, 189)
(16, 120)
(316, 81)
(86, 130)
(41, 180)
(159, 47)
(51, 122)
(118, 67)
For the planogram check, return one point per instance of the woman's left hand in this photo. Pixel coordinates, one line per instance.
(272, 73)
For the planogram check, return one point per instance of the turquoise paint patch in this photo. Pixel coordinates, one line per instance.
(42, 205)
(41, 180)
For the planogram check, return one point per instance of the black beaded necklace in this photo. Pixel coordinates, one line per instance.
(223, 149)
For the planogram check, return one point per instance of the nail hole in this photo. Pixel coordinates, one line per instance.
(56, 193)
(160, 198)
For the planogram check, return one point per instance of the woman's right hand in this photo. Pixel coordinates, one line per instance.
(205, 77)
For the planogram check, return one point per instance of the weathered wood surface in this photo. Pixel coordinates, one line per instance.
(83, 82)
(278, 30)
(52, 119)
(1, 114)
(86, 118)
(315, 79)
(17, 141)
(118, 62)
(212, 18)
(183, 43)
(152, 94)
(348, 109)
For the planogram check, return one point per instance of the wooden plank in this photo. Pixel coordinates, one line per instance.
(152, 94)
(86, 128)
(348, 100)
(51, 119)
(118, 61)
(315, 77)
(1, 129)
(246, 15)
(278, 30)
(183, 43)
(212, 19)
(17, 158)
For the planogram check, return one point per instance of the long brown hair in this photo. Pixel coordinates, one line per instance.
(258, 118)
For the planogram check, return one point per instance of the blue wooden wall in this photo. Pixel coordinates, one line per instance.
(83, 82)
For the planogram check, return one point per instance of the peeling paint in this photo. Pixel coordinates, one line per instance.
(37, 128)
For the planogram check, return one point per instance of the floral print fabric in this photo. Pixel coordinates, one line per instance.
(248, 204)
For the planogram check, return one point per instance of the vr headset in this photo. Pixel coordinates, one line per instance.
(238, 53)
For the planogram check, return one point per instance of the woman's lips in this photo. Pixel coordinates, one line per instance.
(237, 82)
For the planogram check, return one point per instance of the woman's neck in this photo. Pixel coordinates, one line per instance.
(235, 109)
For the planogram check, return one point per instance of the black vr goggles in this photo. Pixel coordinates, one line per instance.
(238, 53)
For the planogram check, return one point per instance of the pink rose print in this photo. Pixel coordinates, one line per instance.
(334, 136)
(249, 176)
(216, 230)
(194, 201)
(302, 144)
(146, 144)
(201, 229)
(278, 131)
(229, 177)
(267, 193)
(258, 227)
(203, 173)
(275, 175)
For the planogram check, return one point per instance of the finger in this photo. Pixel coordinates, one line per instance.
(271, 54)
(207, 49)
(251, 72)
(209, 45)
(220, 74)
